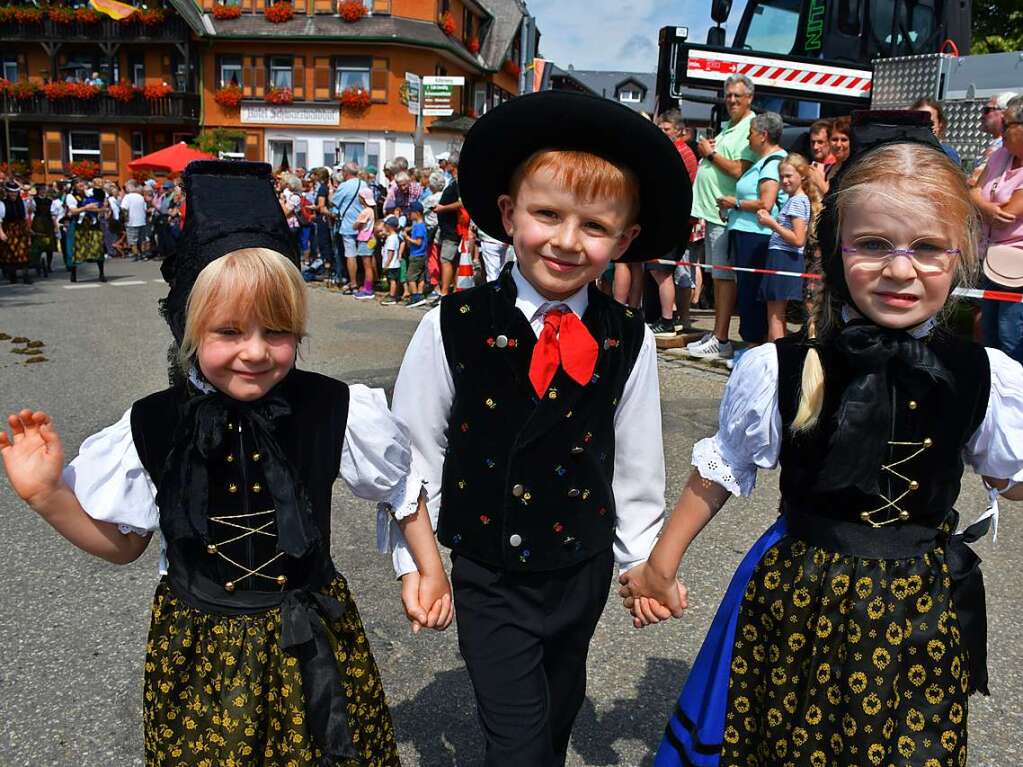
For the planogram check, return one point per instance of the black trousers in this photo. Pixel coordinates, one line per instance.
(524, 638)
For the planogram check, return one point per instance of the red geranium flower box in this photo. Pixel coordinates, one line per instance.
(474, 46)
(447, 23)
(278, 13)
(222, 12)
(86, 169)
(351, 10)
(86, 16)
(83, 91)
(229, 97)
(28, 14)
(355, 99)
(152, 17)
(123, 91)
(157, 91)
(279, 96)
(61, 14)
(6, 13)
(56, 90)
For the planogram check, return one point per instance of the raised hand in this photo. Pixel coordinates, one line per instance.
(33, 456)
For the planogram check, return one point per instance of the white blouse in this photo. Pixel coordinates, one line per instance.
(750, 431)
(110, 482)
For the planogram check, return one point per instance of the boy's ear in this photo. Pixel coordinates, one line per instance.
(507, 206)
(625, 239)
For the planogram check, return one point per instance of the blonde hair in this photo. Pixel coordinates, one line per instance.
(586, 175)
(251, 282)
(907, 176)
(802, 167)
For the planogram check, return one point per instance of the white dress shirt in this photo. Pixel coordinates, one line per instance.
(425, 390)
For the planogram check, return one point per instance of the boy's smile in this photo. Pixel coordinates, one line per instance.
(563, 241)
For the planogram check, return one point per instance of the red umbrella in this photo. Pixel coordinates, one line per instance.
(173, 159)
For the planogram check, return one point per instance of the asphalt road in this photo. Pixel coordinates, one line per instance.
(73, 628)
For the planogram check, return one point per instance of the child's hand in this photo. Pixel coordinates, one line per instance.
(33, 457)
(764, 217)
(650, 597)
(427, 600)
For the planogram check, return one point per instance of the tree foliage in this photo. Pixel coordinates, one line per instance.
(997, 26)
(218, 140)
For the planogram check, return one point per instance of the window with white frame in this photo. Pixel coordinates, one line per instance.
(281, 68)
(230, 71)
(10, 67)
(630, 94)
(351, 72)
(479, 99)
(137, 71)
(373, 154)
(330, 152)
(83, 145)
(353, 151)
(301, 154)
(281, 152)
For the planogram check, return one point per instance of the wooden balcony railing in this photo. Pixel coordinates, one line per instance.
(172, 29)
(175, 107)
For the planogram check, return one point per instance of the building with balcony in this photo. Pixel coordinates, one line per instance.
(53, 118)
(314, 89)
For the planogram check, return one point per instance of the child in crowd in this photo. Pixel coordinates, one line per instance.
(256, 651)
(537, 456)
(390, 260)
(789, 233)
(854, 630)
(417, 242)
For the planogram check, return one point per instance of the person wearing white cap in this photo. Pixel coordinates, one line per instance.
(991, 121)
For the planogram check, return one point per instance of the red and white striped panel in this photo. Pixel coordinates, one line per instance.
(777, 73)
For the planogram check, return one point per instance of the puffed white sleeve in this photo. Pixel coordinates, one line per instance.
(749, 425)
(110, 482)
(996, 449)
(375, 456)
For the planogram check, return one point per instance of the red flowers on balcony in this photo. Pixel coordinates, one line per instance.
(229, 97)
(157, 91)
(474, 46)
(223, 12)
(511, 67)
(61, 14)
(278, 13)
(151, 17)
(447, 23)
(58, 90)
(85, 169)
(86, 15)
(123, 91)
(351, 10)
(355, 99)
(279, 96)
(28, 14)
(22, 90)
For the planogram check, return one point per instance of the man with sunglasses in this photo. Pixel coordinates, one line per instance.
(991, 121)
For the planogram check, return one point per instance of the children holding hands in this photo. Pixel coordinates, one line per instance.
(537, 456)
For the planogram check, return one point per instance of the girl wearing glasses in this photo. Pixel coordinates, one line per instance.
(854, 630)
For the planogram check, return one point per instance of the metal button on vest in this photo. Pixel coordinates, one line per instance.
(576, 450)
(518, 490)
(501, 341)
(515, 540)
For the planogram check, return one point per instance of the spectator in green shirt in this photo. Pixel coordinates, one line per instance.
(725, 159)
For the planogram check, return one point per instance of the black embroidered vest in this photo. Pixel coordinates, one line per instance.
(241, 553)
(921, 474)
(527, 480)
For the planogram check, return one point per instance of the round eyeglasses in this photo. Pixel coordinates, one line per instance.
(875, 255)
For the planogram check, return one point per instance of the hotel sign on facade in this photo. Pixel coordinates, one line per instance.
(324, 115)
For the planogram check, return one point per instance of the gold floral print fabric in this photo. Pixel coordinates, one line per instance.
(220, 692)
(844, 661)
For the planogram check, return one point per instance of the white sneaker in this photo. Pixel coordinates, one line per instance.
(711, 349)
(703, 340)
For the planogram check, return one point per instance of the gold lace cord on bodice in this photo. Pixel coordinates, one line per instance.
(911, 486)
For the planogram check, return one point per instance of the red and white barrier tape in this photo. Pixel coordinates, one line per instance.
(989, 295)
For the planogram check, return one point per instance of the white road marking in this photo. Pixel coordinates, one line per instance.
(118, 283)
(82, 287)
(162, 282)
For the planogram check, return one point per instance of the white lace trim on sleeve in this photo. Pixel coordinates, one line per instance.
(710, 461)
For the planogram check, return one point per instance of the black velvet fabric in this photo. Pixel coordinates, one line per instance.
(539, 469)
(947, 415)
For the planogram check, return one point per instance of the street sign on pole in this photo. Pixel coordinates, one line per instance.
(415, 85)
(437, 92)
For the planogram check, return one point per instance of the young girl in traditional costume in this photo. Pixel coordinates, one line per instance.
(256, 651)
(854, 630)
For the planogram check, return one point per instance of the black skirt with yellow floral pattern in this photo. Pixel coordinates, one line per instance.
(219, 691)
(839, 660)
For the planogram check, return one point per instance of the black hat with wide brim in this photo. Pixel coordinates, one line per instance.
(230, 205)
(508, 135)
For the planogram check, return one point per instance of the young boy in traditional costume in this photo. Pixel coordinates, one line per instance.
(256, 651)
(854, 630)
(537, 452)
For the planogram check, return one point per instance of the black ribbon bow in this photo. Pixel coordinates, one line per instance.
(858, 444)
(969, 598)
(183, 495)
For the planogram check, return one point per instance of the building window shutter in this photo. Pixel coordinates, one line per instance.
(252, 147)
(378, 80)
(22, 67)
(246, 79)
(166, 75)
(321, 78)
(323, 6)
(381, 6)
(258, 77)
(53, 143)
(298, 77)
(108, 152)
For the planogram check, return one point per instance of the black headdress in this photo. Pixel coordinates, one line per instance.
(505, 137)
(230, 205)
(875, 353)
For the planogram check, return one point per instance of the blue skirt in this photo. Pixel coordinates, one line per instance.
(694, 733)
(778, 288)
